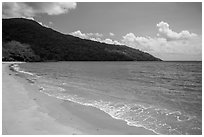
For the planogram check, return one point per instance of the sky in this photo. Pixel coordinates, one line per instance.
(168, 30)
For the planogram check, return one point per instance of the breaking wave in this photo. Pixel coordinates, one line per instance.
(16, 68)
(158, 120)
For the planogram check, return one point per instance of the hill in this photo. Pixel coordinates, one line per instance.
(27, 40)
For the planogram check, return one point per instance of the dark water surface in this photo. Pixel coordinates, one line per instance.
(165, 97)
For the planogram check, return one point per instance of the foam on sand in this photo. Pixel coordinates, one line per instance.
(21, 114)
(156, 119)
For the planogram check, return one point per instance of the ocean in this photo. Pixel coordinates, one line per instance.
(164, 97)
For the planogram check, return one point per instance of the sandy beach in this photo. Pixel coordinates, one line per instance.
(28, 111)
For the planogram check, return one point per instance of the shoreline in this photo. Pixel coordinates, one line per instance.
(28, 111)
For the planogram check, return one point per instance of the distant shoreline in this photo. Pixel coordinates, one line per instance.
(12, 62)
(19, 62)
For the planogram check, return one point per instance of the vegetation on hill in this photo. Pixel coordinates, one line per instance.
(27, 40)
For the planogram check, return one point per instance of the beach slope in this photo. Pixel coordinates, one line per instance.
(21, 114)
(25, 110)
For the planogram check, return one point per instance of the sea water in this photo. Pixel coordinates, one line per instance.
(164, 97)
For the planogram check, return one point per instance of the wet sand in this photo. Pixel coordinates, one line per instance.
(28, 111)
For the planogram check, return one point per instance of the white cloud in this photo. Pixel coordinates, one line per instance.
(111, 34)
(79, 34)
(169, 45)
(43, 24)
(166, 32)
(117, 42)
(190, 49)
(136, 42)
(184, 49)
(130, 37)
(94, 37)
(31, 18)
(94, 34)
(110, 41)
(31, 9)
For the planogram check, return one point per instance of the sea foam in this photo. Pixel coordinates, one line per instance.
(151, 118)
(18, 69)
(158, 120)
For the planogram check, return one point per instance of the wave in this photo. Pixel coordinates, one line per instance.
(16, 68)
(158, 120)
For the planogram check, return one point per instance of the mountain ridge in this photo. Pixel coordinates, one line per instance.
(27, 40)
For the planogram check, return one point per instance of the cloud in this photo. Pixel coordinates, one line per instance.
(166, 32)
(183, 49)
(31, 18)
(94, 37)
(158, 46)
(31, 9)
(190, 49)
(111, 34)
(42, 24)
(136, 42)
(94, 34)
(130, 37)
(169, 45)
(79, 34)
(110, 41)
